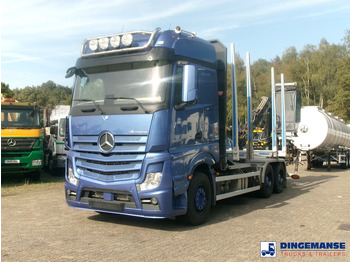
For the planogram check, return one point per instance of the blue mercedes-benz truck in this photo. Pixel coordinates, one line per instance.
(147, 129)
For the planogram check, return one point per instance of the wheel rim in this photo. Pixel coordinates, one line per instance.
(200, 199)
(268, 181)
(280, 179)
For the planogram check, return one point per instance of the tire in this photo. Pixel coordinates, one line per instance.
(268, 185)
(345, 165)
(280, 178)
(51, 163)
(308, 167)
(199, 198)
(35, 175)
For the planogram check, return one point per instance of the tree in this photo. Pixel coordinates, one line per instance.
(6, 91)
(327, 58)
(340, 104)
(47, 95)
(241, 92)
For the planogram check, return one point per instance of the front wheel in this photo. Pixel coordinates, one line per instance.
(199, 198)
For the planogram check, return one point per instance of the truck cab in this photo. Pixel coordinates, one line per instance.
(147, 128)
(21, 138)
(55, 151)
(144, 116)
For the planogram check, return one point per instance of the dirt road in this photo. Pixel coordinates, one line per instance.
(37, 225)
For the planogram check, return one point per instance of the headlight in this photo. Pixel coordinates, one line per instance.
(71, 177)
(36, 162)
(152, 181)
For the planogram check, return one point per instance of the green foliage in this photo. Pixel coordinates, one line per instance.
(322, 74)
(341, 102)
(6, 91)
(47, 95)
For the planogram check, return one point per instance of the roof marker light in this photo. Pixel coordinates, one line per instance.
(115, 41)
(93, 45)
(127, 40)
(103, 43)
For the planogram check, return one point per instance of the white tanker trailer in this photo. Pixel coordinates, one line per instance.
(323, 137)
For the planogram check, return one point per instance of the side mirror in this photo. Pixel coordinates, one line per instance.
(189, 84)
(53, 130)
(70, 72)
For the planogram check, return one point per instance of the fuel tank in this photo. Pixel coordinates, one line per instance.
(321, 131)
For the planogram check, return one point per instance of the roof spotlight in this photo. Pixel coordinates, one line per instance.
(127, 40)
(115, 41)
(178, 29)
(103, 43)
(93, 45)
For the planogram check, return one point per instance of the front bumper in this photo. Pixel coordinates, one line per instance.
(125, 200)
(21, 162)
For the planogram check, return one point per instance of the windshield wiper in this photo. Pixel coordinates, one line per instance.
(130, 98)
(90, 100)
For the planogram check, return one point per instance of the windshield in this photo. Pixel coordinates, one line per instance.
(121, 88)
(19, 118)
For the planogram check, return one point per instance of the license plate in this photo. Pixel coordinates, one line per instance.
(11, 161)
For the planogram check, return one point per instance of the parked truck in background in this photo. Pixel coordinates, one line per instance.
(55, 152)
(21, 138)
(147, 129)
(323, 137)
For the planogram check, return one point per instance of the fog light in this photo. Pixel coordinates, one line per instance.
(154, 201)
(36, 162)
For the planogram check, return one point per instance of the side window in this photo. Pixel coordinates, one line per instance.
(207, 82)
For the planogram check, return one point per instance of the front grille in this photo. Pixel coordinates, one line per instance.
(22, 144)
(123, 162)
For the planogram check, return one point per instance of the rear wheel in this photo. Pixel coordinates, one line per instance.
(280, 178)
(267, 186)
(199, 198)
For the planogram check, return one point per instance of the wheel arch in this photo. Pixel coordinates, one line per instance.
(204, 165)
(273, 164)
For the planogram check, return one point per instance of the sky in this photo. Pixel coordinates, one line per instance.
(41, 39)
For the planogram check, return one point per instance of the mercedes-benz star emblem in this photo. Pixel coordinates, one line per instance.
(304, 128)
(11, 142)
(106, 142)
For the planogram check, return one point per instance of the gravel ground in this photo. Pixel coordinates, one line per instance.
(37, 225)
